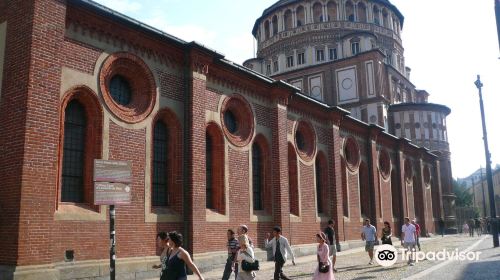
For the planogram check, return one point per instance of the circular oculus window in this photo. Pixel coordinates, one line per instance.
(237, 120)
(351, 154)
(127, 87)
(305, 140)
(384, 164)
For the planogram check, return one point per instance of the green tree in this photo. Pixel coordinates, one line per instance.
(463, 196)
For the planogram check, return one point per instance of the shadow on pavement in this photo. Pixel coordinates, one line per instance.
(481, 270)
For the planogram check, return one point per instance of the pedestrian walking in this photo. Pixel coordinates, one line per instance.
(470, 223)
(386, 234)
(477, 225)
(417, 228)
(178, 258)
(243, 230)
(280, 247)
(324, 271)
(162, 244)
(408, 240)
(332, 242)
(465, 229)
(245, 253)
(232, 251)
(369, 234)
(441, 226)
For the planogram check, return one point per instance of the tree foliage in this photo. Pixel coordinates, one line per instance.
(463, 196)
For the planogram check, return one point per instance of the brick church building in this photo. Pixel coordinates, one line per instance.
(212, 145)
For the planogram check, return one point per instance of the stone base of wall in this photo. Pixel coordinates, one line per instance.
(136, 268)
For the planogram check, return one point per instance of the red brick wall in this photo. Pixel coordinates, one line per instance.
(79, 56)
(40, 150)
(16, 80)
(30, 117)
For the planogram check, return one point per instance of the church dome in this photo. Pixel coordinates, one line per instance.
(282, 3)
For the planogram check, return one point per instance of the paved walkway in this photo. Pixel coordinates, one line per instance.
(353, 264)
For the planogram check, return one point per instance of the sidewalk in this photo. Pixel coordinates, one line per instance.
(301, 262)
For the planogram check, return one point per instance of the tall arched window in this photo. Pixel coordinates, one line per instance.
(257, 177)
(288, 20)
(208, 171)
(365, 191)
(214, 168)
(266, 30)
(376, 15)
(385, 19)
(317, 12)
(332, 10)
(361, 12)
(160, 165)
(349, 11)
(75, 123)
(275, 25)
(301, 16)
(320, 186)
(293, 181)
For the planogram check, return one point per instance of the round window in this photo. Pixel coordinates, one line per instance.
(120, 90)
(351, 154)
(384, 164)
(237, 120)
(127, 86)
(305, 140)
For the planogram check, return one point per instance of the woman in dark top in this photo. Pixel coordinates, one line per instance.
(386, 234)
(178, 258)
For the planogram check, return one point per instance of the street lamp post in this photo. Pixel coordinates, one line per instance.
(489, 177)
(482, 188)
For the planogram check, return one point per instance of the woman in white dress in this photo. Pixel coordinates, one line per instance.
(245, 253)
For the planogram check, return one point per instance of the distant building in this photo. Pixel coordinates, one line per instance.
(480, 194)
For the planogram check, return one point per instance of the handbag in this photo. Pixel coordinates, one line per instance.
(249, 266)
(323, 267)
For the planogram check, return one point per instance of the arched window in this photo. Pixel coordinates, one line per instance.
(266, 30)
(376, 15)
(75, 124)
(208, 171)
(81, 143)
(257, 177)
(275, 25)
(385, 19)
(214, 167)
(321, 183)
(317, 12)
(160, 165)
(332, 10)
(349, 11)
(288, 20)
(365, 192)
(293, 181)
(301, 16)
(361, 12)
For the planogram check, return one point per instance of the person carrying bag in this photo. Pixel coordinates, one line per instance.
(246, 258)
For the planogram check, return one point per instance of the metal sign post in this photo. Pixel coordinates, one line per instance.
(112, 252)
(112, 181)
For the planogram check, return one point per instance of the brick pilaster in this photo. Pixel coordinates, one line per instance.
(335, 171)
(195, 198)
(279, 169)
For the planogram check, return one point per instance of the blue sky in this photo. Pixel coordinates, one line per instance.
(447, 43)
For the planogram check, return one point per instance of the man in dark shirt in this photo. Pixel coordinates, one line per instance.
(232, 250)
(332, 242)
